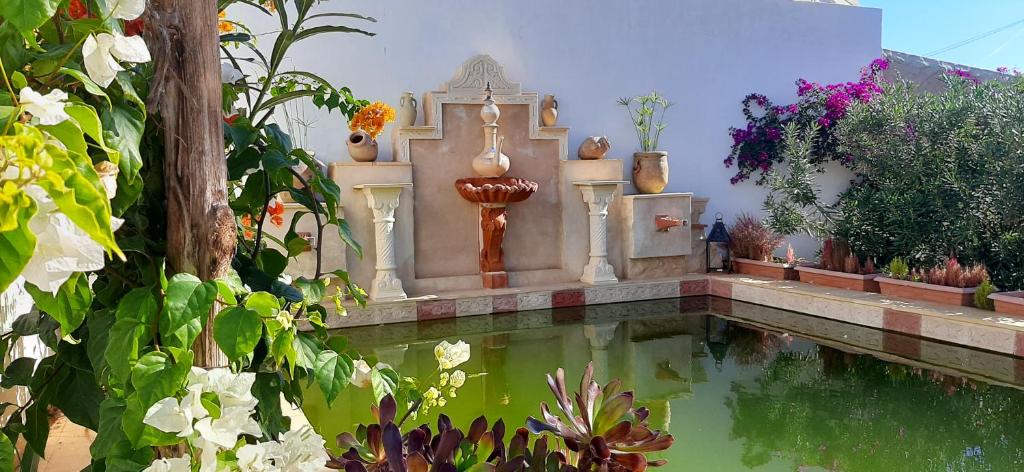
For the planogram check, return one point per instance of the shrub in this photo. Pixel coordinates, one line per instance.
(898, 269)
(949, 273)
(981, 299)
(751, 239)
(938, 175)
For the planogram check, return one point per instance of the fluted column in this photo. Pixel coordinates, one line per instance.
(598, 195)
(383, 200)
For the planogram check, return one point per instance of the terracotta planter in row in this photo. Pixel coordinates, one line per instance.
(835, 279)
(1009, 303)
(927, 292)
(771, 270)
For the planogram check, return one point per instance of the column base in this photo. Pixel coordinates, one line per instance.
(495, 279)
(598, 271)
(386, 286)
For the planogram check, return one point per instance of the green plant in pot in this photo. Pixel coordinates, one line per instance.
(650, 165)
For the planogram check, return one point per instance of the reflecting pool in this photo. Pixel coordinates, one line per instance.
(741, 387)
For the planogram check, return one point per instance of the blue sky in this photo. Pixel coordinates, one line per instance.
(924, 26)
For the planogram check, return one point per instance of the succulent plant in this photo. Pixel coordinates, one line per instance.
(608, 433)
(381, 447)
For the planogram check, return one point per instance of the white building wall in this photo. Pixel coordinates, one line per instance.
(705, 55)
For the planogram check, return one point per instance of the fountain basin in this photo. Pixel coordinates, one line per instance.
(495, 190)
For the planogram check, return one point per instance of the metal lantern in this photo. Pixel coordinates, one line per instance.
(717, 247)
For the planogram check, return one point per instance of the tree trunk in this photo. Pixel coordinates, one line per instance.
(184, 40)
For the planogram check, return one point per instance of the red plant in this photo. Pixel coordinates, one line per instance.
(952, 274)
(77, 10)
(751, 239)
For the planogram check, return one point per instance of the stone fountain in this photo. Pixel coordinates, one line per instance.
(493, 192)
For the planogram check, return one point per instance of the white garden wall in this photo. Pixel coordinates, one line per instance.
(705, 55)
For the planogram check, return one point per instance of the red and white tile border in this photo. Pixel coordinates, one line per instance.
(963, 326)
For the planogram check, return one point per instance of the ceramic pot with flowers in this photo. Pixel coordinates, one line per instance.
(366, 125)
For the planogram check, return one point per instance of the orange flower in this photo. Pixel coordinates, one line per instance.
(276, 211)
(77, 10)
(224, 26)
(372, 119)
(246, 224)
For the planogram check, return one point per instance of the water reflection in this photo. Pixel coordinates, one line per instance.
(744, 389)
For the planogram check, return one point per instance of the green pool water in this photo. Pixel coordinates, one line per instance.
(740, 387)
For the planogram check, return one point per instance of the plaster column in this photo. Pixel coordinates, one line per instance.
(598, 195)
(600, 336)
(383, 200)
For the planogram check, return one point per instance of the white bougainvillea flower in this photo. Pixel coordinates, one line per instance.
(300, 449)
(168, 416)
(48, 109)
(224, 431)
(176, 464)
(253, 458)
(233, 390)
(361, 374)
(127, 9)
(62, 248)
(458, 378)
(450, 355)
(102, 52)
(207, 454)
(229, 74)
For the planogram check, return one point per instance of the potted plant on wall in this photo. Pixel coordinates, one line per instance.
(840, 268)
(949, 283)
(1009, 303)
(753, 246)
(366, 125)
(650, 166)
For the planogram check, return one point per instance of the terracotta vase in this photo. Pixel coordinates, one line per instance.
(650, 171)
(362, 147)
(407, 110)
(594, 148)
(549, 110)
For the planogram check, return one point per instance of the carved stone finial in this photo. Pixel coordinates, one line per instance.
(477, 72)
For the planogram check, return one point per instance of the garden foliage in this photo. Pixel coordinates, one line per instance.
(939, 175)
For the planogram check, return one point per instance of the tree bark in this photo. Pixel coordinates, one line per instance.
(186, 94)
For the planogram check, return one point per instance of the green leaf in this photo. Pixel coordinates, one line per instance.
(73, 185)
(37, 427)
(27, 15)
(99, 323)
(267, 389)
(187, 304)
(90, 86)
(89, 122)
(17, 245)
(124, 128)
(332, 372)
(69, 306)
(79, 395)
(345, 232)
(110, 432)
(237, 331)
(6, 454)
(308, 348)
(156, 376)
(308, 32)
(69, 134)
(272, 262)
(312, 290)
(284, 98)
(282, 347)
(135, 315)
(266, 304)
(383, 382)
(19, 372)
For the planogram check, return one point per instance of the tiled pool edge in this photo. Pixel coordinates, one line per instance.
(963, 326)
(957, 325)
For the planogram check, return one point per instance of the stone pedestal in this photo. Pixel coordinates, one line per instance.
(492, 235)
(383, 200)
(598, 195)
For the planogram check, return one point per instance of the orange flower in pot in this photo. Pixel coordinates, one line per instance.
(366, 125)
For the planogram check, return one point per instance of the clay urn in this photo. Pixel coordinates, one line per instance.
(407, 110)
(650, 171)
(362, 147)
(549, 110)
(594, 148)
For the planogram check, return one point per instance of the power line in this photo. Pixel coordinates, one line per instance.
(974, 38)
